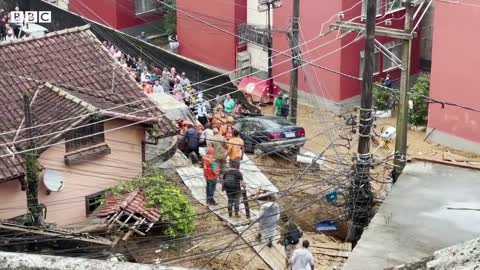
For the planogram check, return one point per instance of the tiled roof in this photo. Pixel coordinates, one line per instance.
(68, 73)
(134, 202)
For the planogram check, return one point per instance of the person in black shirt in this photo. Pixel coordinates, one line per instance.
(233, 184)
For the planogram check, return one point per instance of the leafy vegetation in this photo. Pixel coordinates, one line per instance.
(177, 211)
(170, 17)
(421, 89)
(382, 98)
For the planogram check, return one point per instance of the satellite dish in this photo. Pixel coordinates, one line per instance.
(53, 180)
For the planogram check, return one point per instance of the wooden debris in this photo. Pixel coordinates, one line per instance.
(334, 246)
(194, 247)
(330, 252)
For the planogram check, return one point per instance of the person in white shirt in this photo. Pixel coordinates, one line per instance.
(157, 88)
(201, 111)
(184, 80)
(207, 134)
(302, 258)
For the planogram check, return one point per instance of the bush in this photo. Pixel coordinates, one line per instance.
(170, 17)
(418, 115)
(382, 98)
(177, 211)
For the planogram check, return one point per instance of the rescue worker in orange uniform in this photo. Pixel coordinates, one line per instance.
(211, 171)
(226, 130)
(218, 117)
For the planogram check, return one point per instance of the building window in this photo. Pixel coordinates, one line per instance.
(93, 201)
(84, 137)
(364, 7)
(396, 48)
(392, 5)
(376, 61)
(143, 6)
(253, 34)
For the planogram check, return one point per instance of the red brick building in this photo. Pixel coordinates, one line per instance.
(217, 48)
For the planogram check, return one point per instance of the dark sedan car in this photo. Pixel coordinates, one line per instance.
(270, 134)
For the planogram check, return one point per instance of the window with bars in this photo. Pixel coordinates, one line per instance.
(396, 48)
(364, 7)
(253, 34)
(392, 5)
(376, 62)
(93, 201)
(82, 137)
(143, 6)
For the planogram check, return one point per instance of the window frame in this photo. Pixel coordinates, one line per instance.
(390, 46)
(97, 196)
(364, 8)
(144, 4)
(395, 9)
(362, 56)
(72, 143)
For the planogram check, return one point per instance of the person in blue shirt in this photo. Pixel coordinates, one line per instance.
(228, 104)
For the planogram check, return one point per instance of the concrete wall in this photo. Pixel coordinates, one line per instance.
(454, 77)
(21, 261)
(118, 14)
(203, 42)
(68, 205)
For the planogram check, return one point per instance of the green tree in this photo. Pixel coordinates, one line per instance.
(176, 210)
(170, 16)
(418, 114)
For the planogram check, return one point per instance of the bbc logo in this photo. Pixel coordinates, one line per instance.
(31, 17)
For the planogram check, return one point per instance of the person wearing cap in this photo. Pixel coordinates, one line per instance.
(210, 172)
(227, 128)
(219, 145)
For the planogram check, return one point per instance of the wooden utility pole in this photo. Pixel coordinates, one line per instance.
(402, 116)
(361, 194)
(31, 168)
(293, 35)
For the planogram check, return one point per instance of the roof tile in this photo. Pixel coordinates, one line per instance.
(75, 61)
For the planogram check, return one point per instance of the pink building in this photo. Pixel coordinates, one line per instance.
(454, 77)
(225, 51)
(131, 16)
(90, 120)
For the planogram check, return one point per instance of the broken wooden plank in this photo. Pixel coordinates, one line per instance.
(329, 252)
(334, 246)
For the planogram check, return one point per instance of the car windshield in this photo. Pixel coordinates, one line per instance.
(275, 123)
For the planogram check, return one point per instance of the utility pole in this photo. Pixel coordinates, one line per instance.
(269, 45)
(31, 168)
(293, 35)
(361, 194)
(268, 6)
(402, 116)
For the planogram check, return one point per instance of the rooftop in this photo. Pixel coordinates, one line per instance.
(431, 207)
(68, 74)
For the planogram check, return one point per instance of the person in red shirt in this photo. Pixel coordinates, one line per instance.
(210, 172)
